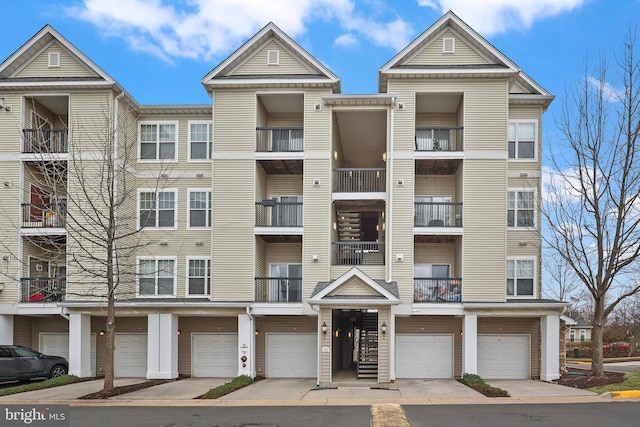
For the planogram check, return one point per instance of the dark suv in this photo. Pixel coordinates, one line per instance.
(21, 363)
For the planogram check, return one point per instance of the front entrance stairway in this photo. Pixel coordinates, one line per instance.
(368, 350)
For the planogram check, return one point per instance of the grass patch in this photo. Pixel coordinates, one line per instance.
(631, 382)
(478, 384)
(41, 385)
(235, 384)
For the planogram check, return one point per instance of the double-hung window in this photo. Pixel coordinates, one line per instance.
(157, 209)
(199, 208)
(521, 208)
(158, 141)
(157, 277)
(199, 276)
(522, 140)
(200, 140)
(520, 277)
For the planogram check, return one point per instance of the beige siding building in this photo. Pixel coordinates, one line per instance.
(287, 229)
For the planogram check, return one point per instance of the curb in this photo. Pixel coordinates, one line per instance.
(626, 393)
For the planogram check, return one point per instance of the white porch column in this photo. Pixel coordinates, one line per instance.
(550, 347)
(246, 345)
(162, 346)
(80, 345)
(470, 344)
(6, 329)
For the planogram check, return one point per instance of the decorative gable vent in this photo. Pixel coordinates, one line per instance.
(448, 45)
(54, 59)
(273, 57)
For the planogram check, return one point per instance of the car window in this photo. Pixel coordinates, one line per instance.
(25, 352)
(5, 352)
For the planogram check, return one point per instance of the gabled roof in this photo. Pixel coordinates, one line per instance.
(27, 53)
(316, 73)
(488, 61)
(355, 287)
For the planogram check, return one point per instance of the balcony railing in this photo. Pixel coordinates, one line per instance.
(279, 139)
(363, 180)
(278, 289)
(429, 289)
(43, 215)
(271, 213)
(357, 253)
(42, 289)
(439, 138)
(432, 214)
(45, 141)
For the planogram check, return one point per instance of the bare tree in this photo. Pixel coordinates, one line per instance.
(592, 206)
(562, 282)
(93, 195)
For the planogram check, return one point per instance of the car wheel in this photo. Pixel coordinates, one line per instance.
(57, 371)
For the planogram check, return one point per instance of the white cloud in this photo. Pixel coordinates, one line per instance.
(498, 16)
(609, 92)
(209, 28)
(346, 40)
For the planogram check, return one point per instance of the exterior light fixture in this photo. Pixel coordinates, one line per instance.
(324, 328)
(384, 328)
(101, 333)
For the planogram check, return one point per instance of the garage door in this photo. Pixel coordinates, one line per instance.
(424, 356)
(503, 356)
(130, 355)
(58, 345)
(214, 355)
(292, 355)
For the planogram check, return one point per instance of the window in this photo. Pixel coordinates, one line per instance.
(572, 335)
(583, 335)
(522, 140)
(200, 140)
(199, 208)
(157, 277)
(157, 210)
(521, 208)
(520, 277)
(285, 283)
(199, 276)
(158, 141)
(433, 211)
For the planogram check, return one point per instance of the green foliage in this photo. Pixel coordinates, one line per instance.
(631, 382)
(41, 385)
(236, 384)
(475, 382)
(473, 379)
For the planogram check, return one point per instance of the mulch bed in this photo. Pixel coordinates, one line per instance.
(580, 378)
(117, 391)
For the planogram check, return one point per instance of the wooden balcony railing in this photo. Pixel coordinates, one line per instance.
(431, 289)
(361, 180)
(279, 139)
(278, 289)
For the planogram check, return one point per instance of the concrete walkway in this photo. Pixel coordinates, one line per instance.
(69, 391)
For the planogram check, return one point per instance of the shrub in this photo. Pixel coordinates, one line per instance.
(235, 384)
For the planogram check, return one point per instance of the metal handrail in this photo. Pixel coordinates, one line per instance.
(359, 180)
(278, 289)
(436, 289)
(279, 139)
(434, 138)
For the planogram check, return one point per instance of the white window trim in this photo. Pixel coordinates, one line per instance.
(535, 278)
(277, 53)
(536, 143)
(156, 191)
(175, 275)
(186, 285)
(209, 147)
(198, 190)
(54, 64)
(453, 45)
(535, 209)
(158, 122)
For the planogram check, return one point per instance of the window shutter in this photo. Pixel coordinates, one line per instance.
(273, 57)
(448, 45)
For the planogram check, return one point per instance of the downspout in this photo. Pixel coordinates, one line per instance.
(389, 217)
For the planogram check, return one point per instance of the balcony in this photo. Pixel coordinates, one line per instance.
(359, 180)
(432, 289)
(278, 289)
(272, 213)
(42, 289)
(43, 215)
(279, 140)
(45, 141)
(437, 214)
(357, 253)
(439, 138)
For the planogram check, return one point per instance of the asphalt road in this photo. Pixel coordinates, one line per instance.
(612, 367)
(619, 414)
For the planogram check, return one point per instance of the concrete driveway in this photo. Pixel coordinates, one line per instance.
(69, 391)
(185, 389)
(533, 388)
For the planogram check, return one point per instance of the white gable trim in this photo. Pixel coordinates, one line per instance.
(354, 272)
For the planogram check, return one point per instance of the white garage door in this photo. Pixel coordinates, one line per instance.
(58, 345)
(424, 356)
(503, 356)
(292, 355)
(214, 355)
(130, 355)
